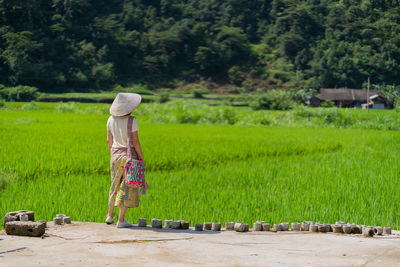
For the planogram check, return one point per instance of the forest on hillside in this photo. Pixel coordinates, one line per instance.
(56, 45)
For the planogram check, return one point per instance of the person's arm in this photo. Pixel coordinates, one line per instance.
(110, 140)
(136, 145)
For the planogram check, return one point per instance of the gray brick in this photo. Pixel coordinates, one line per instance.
(25, 228)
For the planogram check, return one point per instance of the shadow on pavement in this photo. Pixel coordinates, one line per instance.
(169, 230)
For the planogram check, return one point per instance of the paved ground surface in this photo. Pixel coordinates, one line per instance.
(95, 244)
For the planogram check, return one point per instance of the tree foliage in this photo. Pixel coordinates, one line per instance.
(60, 44)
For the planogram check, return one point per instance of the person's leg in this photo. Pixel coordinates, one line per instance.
(127, 197)
(111, 209)
(112, 195)
(122, 211)
(121, 200)
(116, 174)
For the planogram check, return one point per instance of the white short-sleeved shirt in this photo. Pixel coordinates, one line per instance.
(118, 126)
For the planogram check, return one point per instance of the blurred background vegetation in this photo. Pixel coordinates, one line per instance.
(250, 45)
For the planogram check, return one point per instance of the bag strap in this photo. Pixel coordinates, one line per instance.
(130, 139)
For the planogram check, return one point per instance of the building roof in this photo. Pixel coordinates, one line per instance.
(373, 97)
(345, 94)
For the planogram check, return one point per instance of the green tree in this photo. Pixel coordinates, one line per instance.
(21, 54)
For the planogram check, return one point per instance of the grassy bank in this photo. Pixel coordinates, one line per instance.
(198, 112)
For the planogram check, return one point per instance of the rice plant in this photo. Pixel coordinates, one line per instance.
(53, 162)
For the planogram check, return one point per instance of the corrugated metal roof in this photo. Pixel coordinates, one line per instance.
(345, 94)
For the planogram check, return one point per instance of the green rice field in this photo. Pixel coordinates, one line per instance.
(213, 166)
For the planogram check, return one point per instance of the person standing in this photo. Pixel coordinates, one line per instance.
(117, 138)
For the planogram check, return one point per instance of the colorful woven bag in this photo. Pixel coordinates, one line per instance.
(134, 169)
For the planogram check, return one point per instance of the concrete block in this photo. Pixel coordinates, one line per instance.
(347, 229)
(355, 229)
(23, 218)
(285, 226)
(142, 222)
(313, 228)
(25, 228)
(198, 227)
(277, 227)
(378, 230)
(61, 215)
(15, 216)
(176, 225)
(238, 227)
(241, 227)
(9, 218)
(156, 223)
(305, 226)
(295, 226)
(387, 230)
(31, 214)
(216, 227)
(207, 226)
(67, 220)
(168, 223)
(323, 228)
(184, 225)
(338, 228)
(58, 220)
(266, 227)
(368, 231)
(328, 227)
(230, 226)
(339, 223)
(12, 213)
(257, 226)
(43, 222)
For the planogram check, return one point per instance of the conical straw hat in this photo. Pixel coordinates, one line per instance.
(125, 103)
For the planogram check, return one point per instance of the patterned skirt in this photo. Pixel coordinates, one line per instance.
(120, 194)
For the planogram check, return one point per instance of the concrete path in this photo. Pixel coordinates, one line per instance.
(95, 244)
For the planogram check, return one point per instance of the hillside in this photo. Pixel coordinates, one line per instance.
(56, 45)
